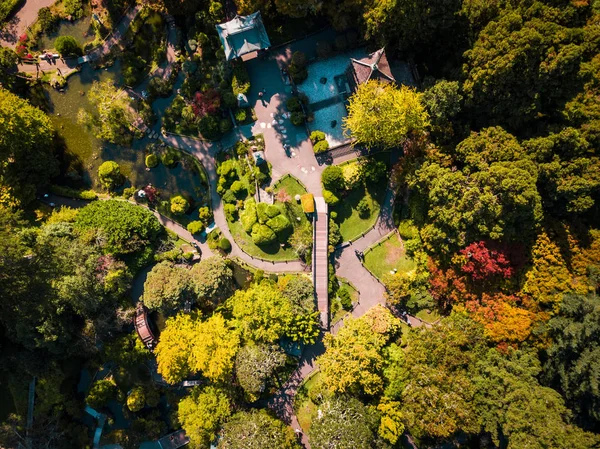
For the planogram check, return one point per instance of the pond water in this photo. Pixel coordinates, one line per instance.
(86, 153)
(81, 30)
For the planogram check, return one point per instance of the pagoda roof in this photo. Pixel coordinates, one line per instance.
(243, 34)
(373, 66)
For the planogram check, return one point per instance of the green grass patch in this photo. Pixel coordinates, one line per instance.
(388, 254)
(336, 311)
(306, 410)
(429, 316)
(351, 224)
(289, 185)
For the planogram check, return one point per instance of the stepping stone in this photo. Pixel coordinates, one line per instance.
(304, 170)
(274, 122)
(268, 125)
(312, 168)
(293, 154)
(272, 115)
(263, 125)
(280, 121)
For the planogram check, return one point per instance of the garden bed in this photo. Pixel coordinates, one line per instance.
(337, 309)
(388, 255)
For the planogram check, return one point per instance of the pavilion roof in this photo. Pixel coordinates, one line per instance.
(373, 66)
(243, 34)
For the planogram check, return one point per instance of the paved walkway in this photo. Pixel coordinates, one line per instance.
(15, 27)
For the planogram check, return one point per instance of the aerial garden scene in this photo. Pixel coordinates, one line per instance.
(326, 224)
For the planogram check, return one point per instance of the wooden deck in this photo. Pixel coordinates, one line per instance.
(321, 259)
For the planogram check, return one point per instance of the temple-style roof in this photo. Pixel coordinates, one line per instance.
(243, 34)
(374, 66)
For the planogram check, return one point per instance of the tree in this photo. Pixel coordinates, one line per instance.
(443, 101)
(256, 429)
(188, 345)
(297, 8)
(110, 174)
(67, 46)
(344, 423)
(212, 280)
(381, 115)
(101, 392)
(512, 406)
(573, 359)
(202, 413)
(179, 205)
(333, 178)
(301, 240)
(113, 114)
(26, 149)
(261, 313)
(166, 287)
(353, 359)
(136, 399)
(122, 227)
(300, 291)
(254, 365)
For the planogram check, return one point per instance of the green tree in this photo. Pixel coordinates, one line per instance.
(297, 8)
(202, 413)
(300, 291)
(166, 287)
(256, 429)
(443, 101)
(254, 365)
(333, 178)
(101, 392)
(110, 174)
(573, 359)
(179, 205)
(212, 281)
(261, 312)
(344, 423)
(136, 399)
(67, 46)
(354, 357)
(124, 227)
(26, 150)
(382, 115)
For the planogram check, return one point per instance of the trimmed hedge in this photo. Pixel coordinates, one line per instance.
(248, 216)
(152, 161)
(262, 234)
(261, 210)
(321, 146)
(88, 195)
(225, 245)
(281, 226)
(317, 136)
(195, 227)
(330, 198)
(272, 210)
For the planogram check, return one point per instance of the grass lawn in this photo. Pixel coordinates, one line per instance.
(291, 209)
(386, 255)
(429, 316)
(306, 409)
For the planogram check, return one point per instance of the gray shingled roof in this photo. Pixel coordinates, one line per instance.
(243, 34)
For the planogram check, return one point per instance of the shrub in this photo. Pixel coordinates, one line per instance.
(261, 211)
(101, 393)
(110, 174)
(298, 74)
(208, 127)
(240, 82)
(136, 399)
(241, 115)
(238, 189)
(281, 226)
(335, 236)
(73, 193)
(345, 298)
(227, 170)
(372, 171)
(333, 215)
(151, 160)
(231, 212)
(408, 230)
(248, 216)
(272, 210)
(263, 235)
(225, 125)
(333, 178)
(352, 175)
(330, 198)
(225, 245)
(297, 118)
(241, 149)
(46, 19)
(205, 214)
(195, 227)
(293, 104)
(364, 208)
(229, 197)
(321, 146)
(229, 100)
(324, 49)
(179, 205)
(73, 8)
(170, 157)
(317, 136)
(67, 45)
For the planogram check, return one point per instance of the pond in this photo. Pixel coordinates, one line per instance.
(81, 30)
(85, 153)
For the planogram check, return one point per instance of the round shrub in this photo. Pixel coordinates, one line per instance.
(261, 211)
(151, 161)
(317, 136)
(136, 399)
(321, 146)
(225, 245)
(330, 198)
(179, 205)
(67, 45)
(293, 104)
(231, 212)
(333, 178)
(281, 226)
(238, 188)
(345, 299)
(195, 227)
(241, 149)
(363, 208)
(110, 174)
(297, 118)
(101, 393)
(170, 157)
(333, 215)
(229, 197)
(272, 210)
(248, 216)
(204, 214)
(241, 115)
(408, 230)
(263, 235)
(209, 127)
(225, 126)
(298, 74)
